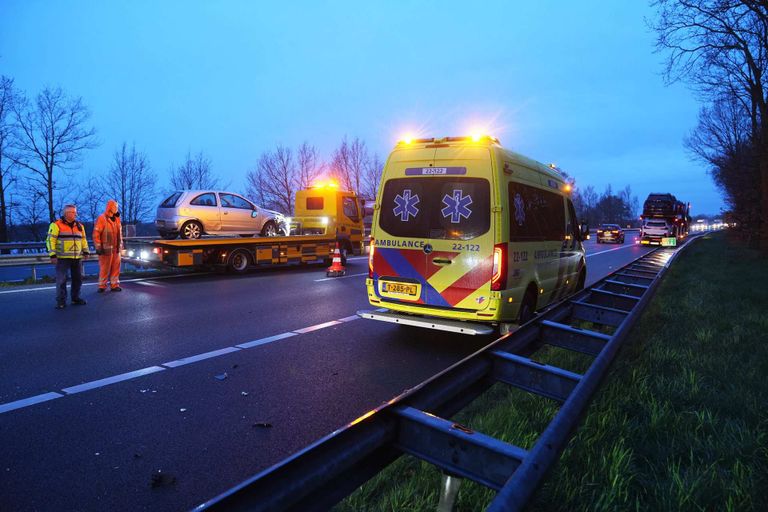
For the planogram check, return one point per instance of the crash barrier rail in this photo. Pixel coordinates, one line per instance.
(415, 422)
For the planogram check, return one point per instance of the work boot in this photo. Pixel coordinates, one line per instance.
(61, 305)
(102, 290)
(117, 289)
(79, 302)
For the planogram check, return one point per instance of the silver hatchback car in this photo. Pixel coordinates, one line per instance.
(193, 213)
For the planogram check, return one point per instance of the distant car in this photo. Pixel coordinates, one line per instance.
(193, 213)
(610, 233)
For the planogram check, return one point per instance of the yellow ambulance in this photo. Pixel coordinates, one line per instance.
(470, 237)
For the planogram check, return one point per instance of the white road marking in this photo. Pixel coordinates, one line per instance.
(26, 402)
(149, 283)
(317, 327)
(199, 357)
(264, 341)
(111, 380)
(137, 280)
(609, 250)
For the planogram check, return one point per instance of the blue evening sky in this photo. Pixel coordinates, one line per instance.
(576, 83)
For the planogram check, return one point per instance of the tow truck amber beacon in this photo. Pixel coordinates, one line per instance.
(469, 237)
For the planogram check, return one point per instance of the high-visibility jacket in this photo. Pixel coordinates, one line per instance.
(66, 240)
(107, 236)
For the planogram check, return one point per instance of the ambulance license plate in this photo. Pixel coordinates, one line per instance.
(399, 288)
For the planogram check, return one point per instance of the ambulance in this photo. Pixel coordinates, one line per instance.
(470, 237)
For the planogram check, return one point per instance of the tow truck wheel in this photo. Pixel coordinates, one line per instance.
(238, 261)
(192, 230)
(169, 236)
(269, 229)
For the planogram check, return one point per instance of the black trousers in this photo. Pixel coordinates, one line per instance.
(74, 267)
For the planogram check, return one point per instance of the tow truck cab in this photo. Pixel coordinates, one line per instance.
(324, 209)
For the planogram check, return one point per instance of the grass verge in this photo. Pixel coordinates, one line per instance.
(680, 423)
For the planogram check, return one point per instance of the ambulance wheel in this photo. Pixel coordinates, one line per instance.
(506, 328)
(239, 261)
(192, 230)
(528, 307)
(582, 280)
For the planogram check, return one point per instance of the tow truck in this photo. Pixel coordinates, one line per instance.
(324, 216)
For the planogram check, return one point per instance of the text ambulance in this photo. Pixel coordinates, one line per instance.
(468, 236)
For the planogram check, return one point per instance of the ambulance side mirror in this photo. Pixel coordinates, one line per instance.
(584, 230)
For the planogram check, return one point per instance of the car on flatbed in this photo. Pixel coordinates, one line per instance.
(190, 214)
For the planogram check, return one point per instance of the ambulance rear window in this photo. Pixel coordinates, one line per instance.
(535, 215)
(450, 208)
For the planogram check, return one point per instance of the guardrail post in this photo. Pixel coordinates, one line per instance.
(449, 489)
(34, 272)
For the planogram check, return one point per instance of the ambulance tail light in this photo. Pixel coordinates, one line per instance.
(370, 259)
(499, 276)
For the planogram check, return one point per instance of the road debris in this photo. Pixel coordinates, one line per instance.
(161, 479)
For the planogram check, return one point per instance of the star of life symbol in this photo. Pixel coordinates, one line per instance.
(519, 210)
(405, 205)
(457, 206)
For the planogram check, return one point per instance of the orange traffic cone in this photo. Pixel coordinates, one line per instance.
(336, 269)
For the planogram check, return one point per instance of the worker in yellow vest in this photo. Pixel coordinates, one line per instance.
(67, 247)
(108, 240)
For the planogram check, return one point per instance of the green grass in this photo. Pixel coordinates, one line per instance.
(680, 422)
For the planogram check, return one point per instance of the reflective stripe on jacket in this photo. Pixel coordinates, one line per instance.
(66, 240)
(107, 234)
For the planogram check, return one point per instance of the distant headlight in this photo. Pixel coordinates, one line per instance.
(144, 255)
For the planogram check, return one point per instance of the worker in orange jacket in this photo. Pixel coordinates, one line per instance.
(108, 239)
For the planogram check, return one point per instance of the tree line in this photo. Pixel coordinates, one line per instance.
(43, 141)
(720, 48)
(607, 208)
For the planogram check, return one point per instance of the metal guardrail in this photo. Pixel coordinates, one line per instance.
(415, 423)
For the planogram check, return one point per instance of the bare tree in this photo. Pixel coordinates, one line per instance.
(7, 159)
(721, 48)
(92, 196)
(33, 214)
(309, 165)
(349, 162)
(193, 173)
(51, 137)
(374, 168)
(275, 179)
(131, 182)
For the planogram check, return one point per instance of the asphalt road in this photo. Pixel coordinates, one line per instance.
(164, 395)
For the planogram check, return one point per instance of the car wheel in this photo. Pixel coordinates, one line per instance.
(192, 230)
(269, 229)
(527, 308)
(239, 261)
